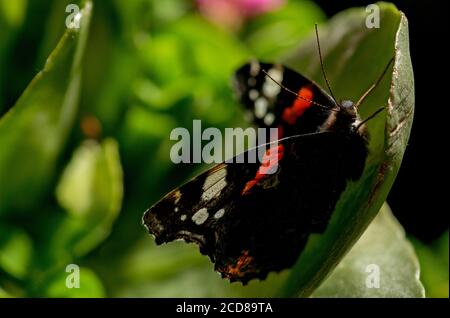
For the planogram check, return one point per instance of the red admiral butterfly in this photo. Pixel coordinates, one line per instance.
(251, 223)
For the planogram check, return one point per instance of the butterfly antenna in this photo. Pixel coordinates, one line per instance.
(294, 93)
(379, 110)
(322, 65)
(374, 85)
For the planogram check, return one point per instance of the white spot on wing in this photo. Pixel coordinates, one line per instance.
(183, 217)
(270, 87)
(269, 118)
(219, 213)
(214, 178)
(176, 209)
(261, 105)
(186, 235)
(214, 190)
(255, 67)
(253, 94)
(200, 216)
(251, 81)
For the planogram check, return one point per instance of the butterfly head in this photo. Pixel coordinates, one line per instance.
(349, 110)
(347, 104)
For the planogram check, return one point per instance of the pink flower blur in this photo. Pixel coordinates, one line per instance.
(232, 13)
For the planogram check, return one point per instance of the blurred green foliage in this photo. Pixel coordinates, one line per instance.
(434, 266)
(85, 149)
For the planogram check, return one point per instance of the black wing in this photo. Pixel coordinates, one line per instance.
(250, 224)
(268, 105)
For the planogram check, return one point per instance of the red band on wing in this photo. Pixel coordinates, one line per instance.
(236, 270)
(280, 132)
(271, 158)
(301, 103)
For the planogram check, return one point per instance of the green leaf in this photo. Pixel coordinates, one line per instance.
(354, 58)
(15, 251)
(91, 191)
(381, 264)
(34, 131)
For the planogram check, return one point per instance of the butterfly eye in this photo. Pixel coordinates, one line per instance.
(347, 104)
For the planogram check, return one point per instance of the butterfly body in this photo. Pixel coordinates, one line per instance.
(250, 223)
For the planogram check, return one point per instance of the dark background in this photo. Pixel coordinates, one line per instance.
(416, 193)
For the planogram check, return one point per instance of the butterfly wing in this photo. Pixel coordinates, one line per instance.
(269, 105)
(250, 223)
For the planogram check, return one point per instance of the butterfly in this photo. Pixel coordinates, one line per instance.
(249, 222)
